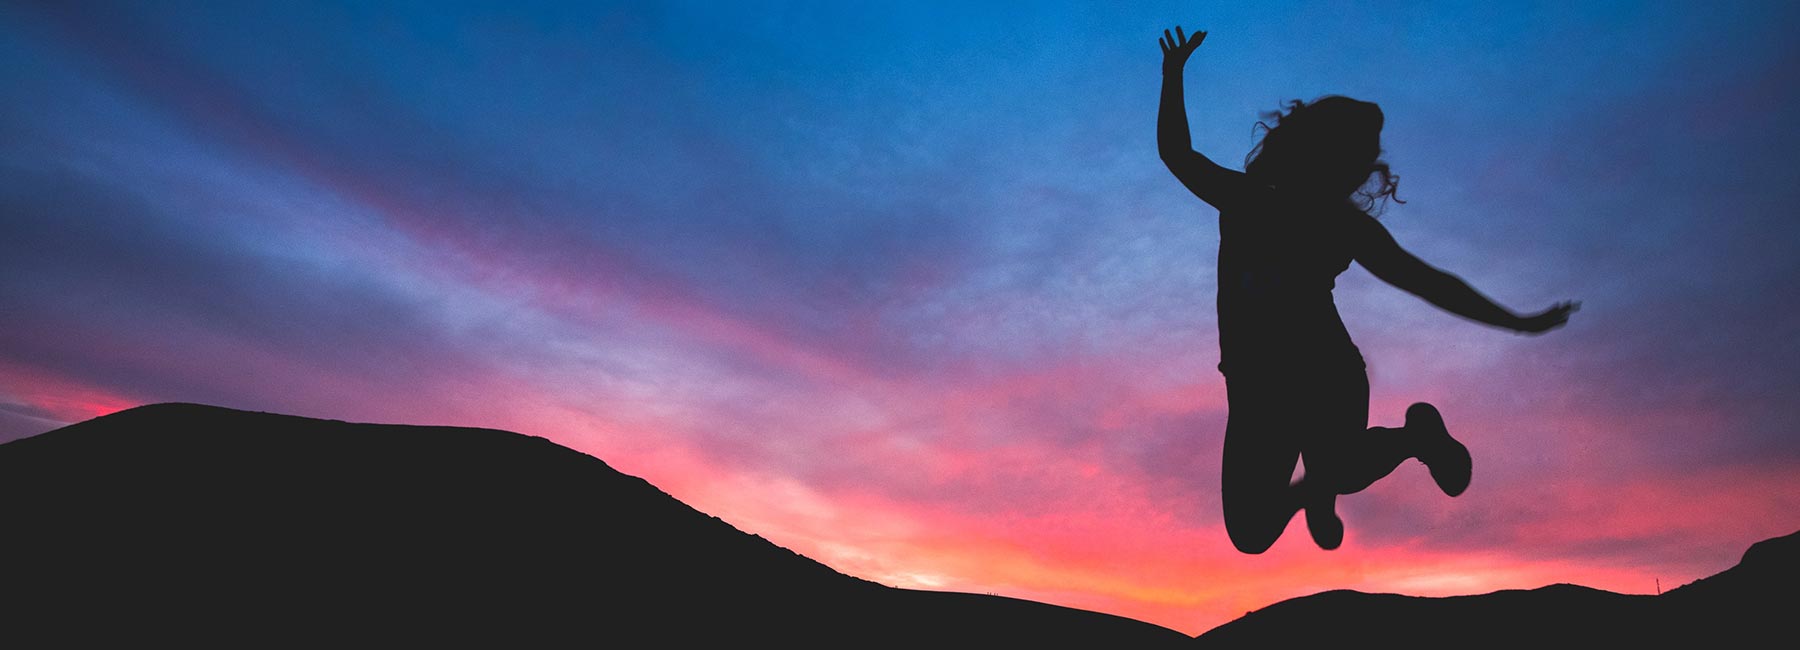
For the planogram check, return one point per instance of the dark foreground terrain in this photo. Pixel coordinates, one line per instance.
(179, 521)
(1751, 605)
(213, 526)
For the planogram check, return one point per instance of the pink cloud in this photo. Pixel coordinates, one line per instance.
(62, 398)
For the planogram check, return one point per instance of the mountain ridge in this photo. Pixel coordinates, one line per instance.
(283, 527)
(428, 534)
(1741, 605)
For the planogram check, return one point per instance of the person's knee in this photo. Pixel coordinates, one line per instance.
(1252, 535)
(1251, 542)
(1257, 499)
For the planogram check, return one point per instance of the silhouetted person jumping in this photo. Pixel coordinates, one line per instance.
(1294, 382)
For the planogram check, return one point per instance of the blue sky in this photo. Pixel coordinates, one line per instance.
(914, 268)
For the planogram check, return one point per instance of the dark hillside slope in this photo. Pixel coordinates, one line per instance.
(1749, 605)
(202, 523)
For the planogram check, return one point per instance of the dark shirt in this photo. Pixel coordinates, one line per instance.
(1278, 262)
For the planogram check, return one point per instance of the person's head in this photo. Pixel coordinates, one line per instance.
(1327, 149)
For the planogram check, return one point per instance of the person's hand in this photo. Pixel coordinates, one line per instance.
(1177, 47)
(1548, 319)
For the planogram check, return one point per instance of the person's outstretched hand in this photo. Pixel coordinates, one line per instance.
(1177, 47)
(1549, 319)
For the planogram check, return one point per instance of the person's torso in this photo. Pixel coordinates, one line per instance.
(1277, 268)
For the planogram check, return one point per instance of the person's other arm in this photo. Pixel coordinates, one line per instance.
(1383, 257)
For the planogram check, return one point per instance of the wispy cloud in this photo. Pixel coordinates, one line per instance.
(905, 288)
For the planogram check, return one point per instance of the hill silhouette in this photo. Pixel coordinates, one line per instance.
(210, 525)
(181, 521)
(1744, 606)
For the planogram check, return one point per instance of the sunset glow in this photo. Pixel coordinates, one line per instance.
(903, 287)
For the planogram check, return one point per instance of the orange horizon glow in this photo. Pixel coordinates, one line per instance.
(907, 289)
(1116, 547)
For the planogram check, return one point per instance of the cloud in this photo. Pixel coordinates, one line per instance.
(123, 293)
(913, 296)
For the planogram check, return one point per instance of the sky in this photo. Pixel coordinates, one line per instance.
(903, 286)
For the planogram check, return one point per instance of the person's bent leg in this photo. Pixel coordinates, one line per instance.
(1331, 406)
(1351, 462)
(1260, 454)
(1258, 500)
(1357, 460)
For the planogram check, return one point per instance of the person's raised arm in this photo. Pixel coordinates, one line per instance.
(1382, 256)
(1215, 185)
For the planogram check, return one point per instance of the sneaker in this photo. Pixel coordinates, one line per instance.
(1326, 528)
(1447, 459)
